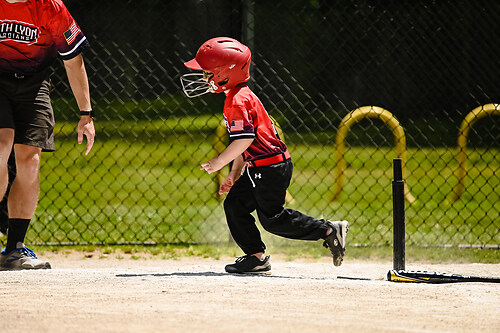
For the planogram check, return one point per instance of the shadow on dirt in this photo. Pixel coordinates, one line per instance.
(212, 274)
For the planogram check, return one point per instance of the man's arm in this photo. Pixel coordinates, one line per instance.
(78, 80)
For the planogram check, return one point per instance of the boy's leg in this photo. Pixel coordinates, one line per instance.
(238, 206)
(271, 184)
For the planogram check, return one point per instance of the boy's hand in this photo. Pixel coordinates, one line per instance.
(212, 166)
(226, 185)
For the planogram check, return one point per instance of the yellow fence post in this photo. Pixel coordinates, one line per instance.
(347, 122)
(470, 119)
(219, 146)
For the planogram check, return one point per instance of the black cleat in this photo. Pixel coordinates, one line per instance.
(250, 265)
(335, 241)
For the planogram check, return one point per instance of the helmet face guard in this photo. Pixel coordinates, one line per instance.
(227, 62)
(195, 84)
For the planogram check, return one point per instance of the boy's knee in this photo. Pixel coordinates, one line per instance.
(269, 223)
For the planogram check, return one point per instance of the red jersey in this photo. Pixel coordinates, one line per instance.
(34, 33)
(246, 118)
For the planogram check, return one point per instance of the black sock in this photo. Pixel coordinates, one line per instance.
(17, 232)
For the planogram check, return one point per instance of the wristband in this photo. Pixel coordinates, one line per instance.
(87, 113)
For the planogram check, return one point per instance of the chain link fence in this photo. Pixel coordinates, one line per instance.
(426, 65)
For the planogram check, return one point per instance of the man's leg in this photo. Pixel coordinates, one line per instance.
(6, 142)
(4, 214)
(22, 203)
(23, 195)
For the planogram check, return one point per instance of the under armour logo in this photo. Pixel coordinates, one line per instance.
(258, 176)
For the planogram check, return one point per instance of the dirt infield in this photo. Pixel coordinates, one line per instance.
(193, 294)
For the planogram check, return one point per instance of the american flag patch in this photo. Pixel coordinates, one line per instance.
(71, 33)
(237, 125)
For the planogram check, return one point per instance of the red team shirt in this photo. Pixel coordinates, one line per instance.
(246, 118)
(34, 33)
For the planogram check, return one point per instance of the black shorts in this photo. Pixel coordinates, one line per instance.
(25, 106)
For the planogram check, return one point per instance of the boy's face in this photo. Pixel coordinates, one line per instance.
(207, 75)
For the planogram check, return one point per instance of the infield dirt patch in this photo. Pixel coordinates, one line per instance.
(194, 294)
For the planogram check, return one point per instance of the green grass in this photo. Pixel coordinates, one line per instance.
(142, 184)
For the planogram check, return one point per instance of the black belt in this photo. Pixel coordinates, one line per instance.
(269, 160)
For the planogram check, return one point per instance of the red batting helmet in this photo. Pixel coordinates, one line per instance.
(227, 59)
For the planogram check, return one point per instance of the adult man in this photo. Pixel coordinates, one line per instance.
(33, 33)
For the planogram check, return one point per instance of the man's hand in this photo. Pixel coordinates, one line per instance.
(77, 77)
(213, 165)
(86, 127)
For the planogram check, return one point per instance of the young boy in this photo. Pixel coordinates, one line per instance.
(254, 143)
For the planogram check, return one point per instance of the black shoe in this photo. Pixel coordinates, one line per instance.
(250, 265)
(335, 241)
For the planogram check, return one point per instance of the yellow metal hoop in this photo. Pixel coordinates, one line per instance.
(352, 118)
(470, 119)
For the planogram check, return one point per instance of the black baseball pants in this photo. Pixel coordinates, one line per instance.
(264, 189)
